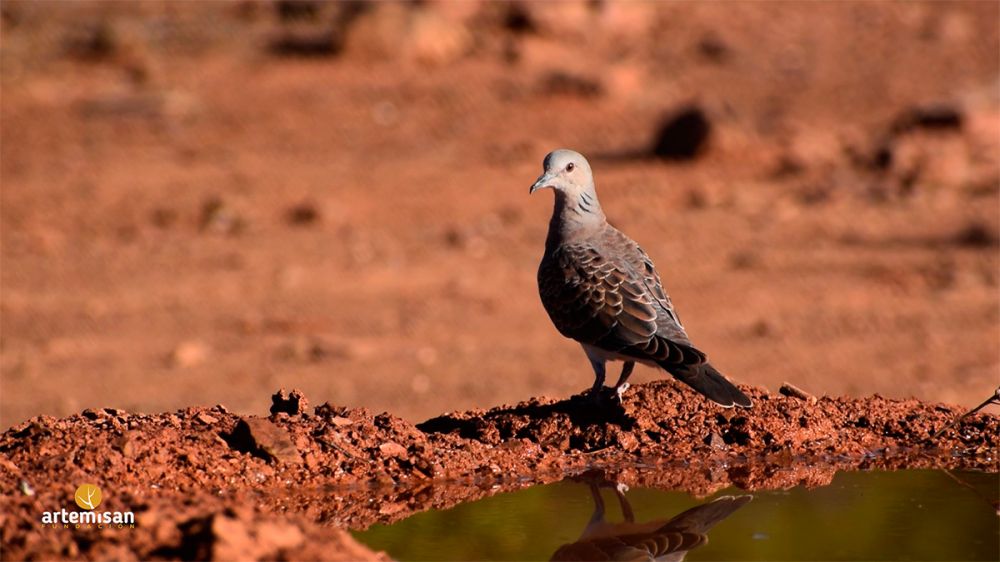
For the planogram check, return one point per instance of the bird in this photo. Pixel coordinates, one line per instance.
(665, 541)
(601, 289)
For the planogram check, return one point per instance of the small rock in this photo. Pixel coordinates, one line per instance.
(391, 508)
(939, 117)
(218, 217)
(293, 403)
(26, 488)
(977, 235)
(789, 389)
(262, 438)
(126, 445)
(302, 214)
(162, 217)
(92, 414)
(715, 441)
(714, 49)
(627, 441)
(561, 83)
(683, 135)
(392, 449)
(206, 418)
(340, 421)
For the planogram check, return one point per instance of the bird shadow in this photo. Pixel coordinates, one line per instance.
(535, 420)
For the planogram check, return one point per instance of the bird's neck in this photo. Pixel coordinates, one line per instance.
(575, 216)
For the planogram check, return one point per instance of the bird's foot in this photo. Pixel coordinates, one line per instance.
(620, 390)
(596, 394)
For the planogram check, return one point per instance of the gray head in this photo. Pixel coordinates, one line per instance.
(577, 210)
(567, 172)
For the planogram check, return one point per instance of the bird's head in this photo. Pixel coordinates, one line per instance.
(567, 172)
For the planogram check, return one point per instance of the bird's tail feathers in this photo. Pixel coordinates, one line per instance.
(710, 383)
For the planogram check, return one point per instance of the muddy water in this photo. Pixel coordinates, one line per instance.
(904, 515)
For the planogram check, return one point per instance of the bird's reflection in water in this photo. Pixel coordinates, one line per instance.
(662, 540)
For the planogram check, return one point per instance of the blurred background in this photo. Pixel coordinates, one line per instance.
(205, 201)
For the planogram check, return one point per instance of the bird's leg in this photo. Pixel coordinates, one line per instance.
(622, 385)
(598, 515)
(599, 371)
(627, 512)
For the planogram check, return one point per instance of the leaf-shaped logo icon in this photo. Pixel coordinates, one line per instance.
(88, 496)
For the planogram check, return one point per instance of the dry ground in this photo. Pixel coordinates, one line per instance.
(191, 215)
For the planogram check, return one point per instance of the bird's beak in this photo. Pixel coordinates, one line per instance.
(542, 182)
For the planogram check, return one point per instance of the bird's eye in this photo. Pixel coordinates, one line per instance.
(570, 166)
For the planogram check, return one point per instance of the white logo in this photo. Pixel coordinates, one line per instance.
(88, 497)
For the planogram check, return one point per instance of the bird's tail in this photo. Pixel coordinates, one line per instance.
(711, 383)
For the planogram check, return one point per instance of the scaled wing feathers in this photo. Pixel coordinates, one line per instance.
(608, 294)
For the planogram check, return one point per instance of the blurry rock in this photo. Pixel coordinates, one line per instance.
(314, 29)
(683, 135)
(9, 15)
(713, 49)
(567, 84)
(263, 439)
(977, 235)
(436, 40)
(310, 43)
(939, 117)
(126, 445)
(302, 214)
(787, 166)
(744, 259)
(293, 403)
(92, 41)
(814, 193)
(696, 198)
(572, 18)
(235, 535)
(517, 18)
(189, 354)
(882, 156)
(761, 328)
(470, 242)
(626, 22)
(292, 10)
(394, 30)
(378, 33)
(626, 80)
(163, 217)
(217, 216)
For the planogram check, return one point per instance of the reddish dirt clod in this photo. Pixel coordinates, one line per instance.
(660, 435)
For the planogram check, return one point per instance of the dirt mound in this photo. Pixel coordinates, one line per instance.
(190, 475)
(660, 419)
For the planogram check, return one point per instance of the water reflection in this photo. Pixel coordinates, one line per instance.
(667, 540)
(904, 515)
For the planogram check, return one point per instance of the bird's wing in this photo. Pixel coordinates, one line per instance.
(701, 518)
(595, 293)
(668, 323)
(646, 546)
